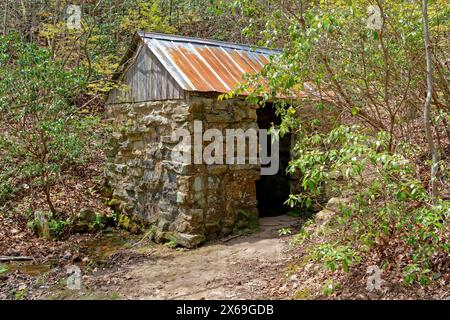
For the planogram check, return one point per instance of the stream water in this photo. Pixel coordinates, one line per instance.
(98, 249)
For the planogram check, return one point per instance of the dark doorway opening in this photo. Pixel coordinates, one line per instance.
(272, 191)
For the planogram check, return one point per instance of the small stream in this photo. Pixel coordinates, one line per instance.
(97, 249)
(103, 247)
(28, 267)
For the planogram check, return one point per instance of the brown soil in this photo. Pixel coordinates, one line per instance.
(261, 265)
(246, 267)
(242, 268)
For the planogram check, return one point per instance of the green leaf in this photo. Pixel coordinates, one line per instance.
(376, 36)
(308, 202)
(401, 195)
(3, 269)
(355, 111)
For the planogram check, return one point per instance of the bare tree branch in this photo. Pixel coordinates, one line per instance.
(426, 108)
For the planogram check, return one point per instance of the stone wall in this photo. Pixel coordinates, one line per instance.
(187, 203)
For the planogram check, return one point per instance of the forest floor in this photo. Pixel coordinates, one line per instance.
(119, 266)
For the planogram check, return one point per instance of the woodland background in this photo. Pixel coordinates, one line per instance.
(366, 141)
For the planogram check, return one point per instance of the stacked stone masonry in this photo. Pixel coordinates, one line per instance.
(188, 203)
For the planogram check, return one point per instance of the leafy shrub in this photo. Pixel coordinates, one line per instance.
(336, 256)
(43, 132)
(48, 221)
(389, 205)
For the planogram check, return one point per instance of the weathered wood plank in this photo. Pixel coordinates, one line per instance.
(148, 80)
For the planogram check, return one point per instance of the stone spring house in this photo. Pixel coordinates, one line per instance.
(170, 82)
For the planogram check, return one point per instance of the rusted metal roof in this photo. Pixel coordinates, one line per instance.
(206, 65)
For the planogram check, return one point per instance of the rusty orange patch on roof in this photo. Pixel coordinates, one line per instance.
(206, 65)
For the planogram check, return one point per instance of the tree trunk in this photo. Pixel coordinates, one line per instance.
(55, 21)
(426, 108)
(170, 11)
(5, 17)
(49, 199)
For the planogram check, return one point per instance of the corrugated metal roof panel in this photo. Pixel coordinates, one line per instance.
(206, 65)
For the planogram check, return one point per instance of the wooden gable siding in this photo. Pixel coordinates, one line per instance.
(146, 79)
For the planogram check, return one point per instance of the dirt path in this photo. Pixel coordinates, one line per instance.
(239, 269)
(242, 268)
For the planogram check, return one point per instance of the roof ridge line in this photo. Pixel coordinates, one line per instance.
(172, 37)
